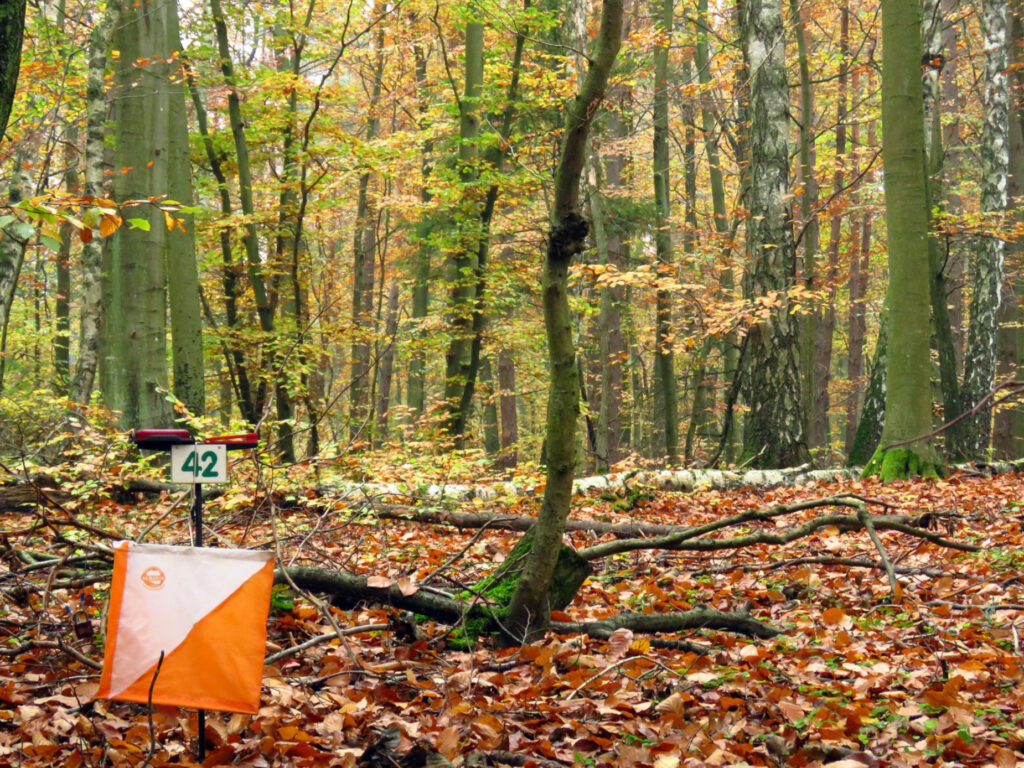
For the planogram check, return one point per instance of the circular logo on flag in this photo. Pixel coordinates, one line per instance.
(153, 577)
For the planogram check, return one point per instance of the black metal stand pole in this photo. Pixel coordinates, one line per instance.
(197, 540)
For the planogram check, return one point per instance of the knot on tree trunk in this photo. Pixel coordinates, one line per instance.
(567, 236)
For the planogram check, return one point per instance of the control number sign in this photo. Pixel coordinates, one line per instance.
(201, 463)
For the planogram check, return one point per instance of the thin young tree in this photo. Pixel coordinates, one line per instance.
(528, 610)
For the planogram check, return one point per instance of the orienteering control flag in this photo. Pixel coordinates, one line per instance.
(205, 609)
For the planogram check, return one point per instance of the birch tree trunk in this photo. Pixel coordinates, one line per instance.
(774, 433)
(14, 239)
(1009, 423)
(91, 311)
(987, 267)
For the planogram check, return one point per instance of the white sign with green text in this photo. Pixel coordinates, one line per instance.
(200, 463)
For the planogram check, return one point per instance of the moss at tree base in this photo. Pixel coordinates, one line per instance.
(493, 595)
(901, 464)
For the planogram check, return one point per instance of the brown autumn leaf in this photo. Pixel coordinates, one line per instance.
(618, 643)
(407, 586)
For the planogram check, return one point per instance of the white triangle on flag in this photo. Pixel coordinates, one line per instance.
(167, 590)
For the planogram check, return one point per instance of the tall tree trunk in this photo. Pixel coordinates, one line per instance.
(137, 276)
(462, 265)
(289, 249)
(234, 354)
(12, 28)
(723, 237)
(91, 311)
(254, 265)
(774, 434)
(364, 256)
(664, 356)
(904, 450)
(945, 343)
(860, 267)
(492, 442)
(387, 366)
(815, 381)
(1009, 424)
(954, 156)
(175, 176)
(507, 409)
(416, 388)
(612, 250)
(987, 267)
(528, 610)
(494, 158)
(14, 239)
(62, 303)
(823, 337)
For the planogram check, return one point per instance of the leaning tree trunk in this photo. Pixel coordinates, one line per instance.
(528, 610)
(987, 267)
(904, 450)
(774, 433)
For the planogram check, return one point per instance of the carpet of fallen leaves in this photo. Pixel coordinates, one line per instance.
(934, 676)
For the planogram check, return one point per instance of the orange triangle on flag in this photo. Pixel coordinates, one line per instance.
(204, 609)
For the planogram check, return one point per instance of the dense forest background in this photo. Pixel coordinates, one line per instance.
(329, 220)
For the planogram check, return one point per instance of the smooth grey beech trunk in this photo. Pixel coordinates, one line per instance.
(136, 372)
(904, 451)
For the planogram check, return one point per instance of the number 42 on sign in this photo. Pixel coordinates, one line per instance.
(200, 463)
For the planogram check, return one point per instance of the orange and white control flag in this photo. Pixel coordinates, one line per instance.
(205, 609)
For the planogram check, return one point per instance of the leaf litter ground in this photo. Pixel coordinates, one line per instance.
(934, 676)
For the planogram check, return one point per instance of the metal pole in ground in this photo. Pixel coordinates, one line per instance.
(197, 541)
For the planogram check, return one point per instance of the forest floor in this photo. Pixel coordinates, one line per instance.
(859, 677)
